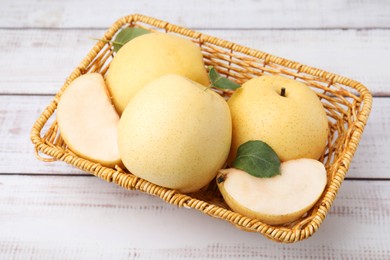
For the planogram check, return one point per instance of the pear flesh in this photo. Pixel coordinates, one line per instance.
(175, 133)
(88, 121)
(276, 200)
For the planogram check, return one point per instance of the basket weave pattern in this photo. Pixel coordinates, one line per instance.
(347, 104)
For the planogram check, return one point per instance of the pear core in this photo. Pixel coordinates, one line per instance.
(277, 200)
(88, 121)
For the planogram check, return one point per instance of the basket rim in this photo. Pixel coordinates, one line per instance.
(129, 181)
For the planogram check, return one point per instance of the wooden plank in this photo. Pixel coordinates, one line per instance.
(212, 14)
(17, 116)
(44, 58)
(18, 113)
(86, 218)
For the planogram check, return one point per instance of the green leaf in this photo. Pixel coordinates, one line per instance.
(221, 82)
(126, 35)
(258, 159)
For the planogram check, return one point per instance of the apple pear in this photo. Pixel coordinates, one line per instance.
(148, 57)
(88, 121)
(175, 133)
(284, 113)
(277, 200)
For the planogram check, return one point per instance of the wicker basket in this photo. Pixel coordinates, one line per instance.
(347, 103)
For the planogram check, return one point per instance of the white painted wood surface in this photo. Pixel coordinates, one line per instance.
(199, 14)
(84, 217)
(54, 211)
(358, 54)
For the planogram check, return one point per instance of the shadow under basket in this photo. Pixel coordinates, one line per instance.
(347, 104)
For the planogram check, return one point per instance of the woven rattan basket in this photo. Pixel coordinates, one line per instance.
(347, 103)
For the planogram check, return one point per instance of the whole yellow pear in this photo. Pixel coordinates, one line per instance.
(148, 57)
(175, 133)
(294, 125)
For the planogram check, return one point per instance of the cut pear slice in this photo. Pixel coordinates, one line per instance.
(277, 200)
(88, 121)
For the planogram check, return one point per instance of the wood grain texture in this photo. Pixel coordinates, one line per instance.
(17, 116)
(192, 13)
(38, 61)
(84, 218)
(18, 113)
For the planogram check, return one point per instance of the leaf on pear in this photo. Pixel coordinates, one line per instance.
(258, 159)
(126, 35)
(221, 82)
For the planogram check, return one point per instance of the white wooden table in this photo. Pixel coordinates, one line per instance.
(54, 211)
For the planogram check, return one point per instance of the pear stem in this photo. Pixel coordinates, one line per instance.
(283, 92)
(208, 87)
(107, 41)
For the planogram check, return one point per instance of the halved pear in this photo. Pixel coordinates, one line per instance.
(276, 200)
(88, 121)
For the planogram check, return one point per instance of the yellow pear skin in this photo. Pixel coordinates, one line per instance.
(294, 125)
(175, 133)
(148, 57)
